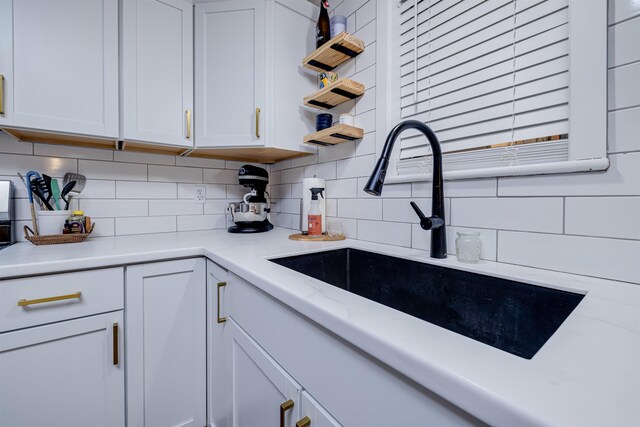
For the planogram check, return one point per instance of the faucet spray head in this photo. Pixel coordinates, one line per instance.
(376, 180)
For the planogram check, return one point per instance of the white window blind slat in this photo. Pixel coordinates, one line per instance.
(486, 73)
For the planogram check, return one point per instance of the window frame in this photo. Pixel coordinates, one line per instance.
(588, 31)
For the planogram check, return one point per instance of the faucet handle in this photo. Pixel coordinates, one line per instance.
(427, 223)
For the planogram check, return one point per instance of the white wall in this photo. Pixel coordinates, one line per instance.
(584, 223)
(128, 193)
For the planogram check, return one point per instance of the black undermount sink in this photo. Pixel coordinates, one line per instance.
(511, 316)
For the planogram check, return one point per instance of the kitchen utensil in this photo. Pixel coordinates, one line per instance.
(80, 180)
(55, 192)
(65, 190)
(39, 188)
(47, 183)
(27, 187)
(34, 221)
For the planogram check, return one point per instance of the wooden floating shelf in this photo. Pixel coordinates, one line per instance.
(342, 90)
(339, 49)
(334, 135)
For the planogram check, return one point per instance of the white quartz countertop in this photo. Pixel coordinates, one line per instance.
(587, 374)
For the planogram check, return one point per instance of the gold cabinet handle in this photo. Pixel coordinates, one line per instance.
(283, 409)
(305, 422)
(257, 123)
(1, 94)
(220, 285)
(25, 302)
(116, 352)
(189, 124)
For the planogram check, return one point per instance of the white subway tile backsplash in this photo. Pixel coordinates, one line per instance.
(10, 164)
(367, 145)
(619, 10)
(391, 233)
(367, 58)
(623, 43)
(321, 170)
(331, 208)
(55, 150)
(304, 161)
(624, 90)
(145, 225)
(212, 191)
(366, 102)
(366, 76)
(421, 239)
(104, 227)
(621, 179)
(365, 14)
(459, 188)
(201, 222)
(175, 207)
(175, 174)
(296, 190)
(591, 256)
(112, 170)
(543, 215)
(603, 216)
(146, 190)
(366, 121)
(147, 158)
(221, 176)
(340, 151)
(624, 128)
(216, 206)
(291, 206)
(291, 176)
(282, 191)
(96, 189)
(355, 167)
(367, 33)
(100, 208)
(198, 162)
(11, 145)
(400, 210)
(360, 208)
(342, 188)
(236, 191)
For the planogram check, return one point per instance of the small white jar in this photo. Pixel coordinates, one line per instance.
(468, 246)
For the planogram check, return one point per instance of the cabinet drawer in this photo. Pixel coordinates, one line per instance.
(44, 299)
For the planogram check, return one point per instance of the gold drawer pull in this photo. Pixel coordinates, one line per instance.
(1, 94)
(25, 302)
(220, 285)
(283, 409)
(305, 422)
(189, 124)
(257, 123)
(116, 352)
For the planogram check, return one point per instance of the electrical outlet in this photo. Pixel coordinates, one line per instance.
(200, 195)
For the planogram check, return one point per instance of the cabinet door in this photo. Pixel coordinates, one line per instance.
(317, 414)
(230, 73)
(157, 79)
(219, 382)
(63, 71)
(166, 339)
(260, 385)
(63, 374)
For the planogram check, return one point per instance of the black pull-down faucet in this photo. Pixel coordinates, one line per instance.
(435, 222)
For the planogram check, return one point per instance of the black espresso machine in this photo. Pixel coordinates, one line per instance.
(251, 215)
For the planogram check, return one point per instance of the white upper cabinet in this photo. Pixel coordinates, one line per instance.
(230, 73)
(157, 71)
(59, 60)
(249, 82)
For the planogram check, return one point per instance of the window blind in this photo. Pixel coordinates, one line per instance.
(490, 77)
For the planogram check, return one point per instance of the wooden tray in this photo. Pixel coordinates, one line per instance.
(339, 49)
(323, 238)
(342, 90)
(55, 239)
(334, 135)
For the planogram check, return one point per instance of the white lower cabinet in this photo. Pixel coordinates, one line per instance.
(166, 344)
(63, 374)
